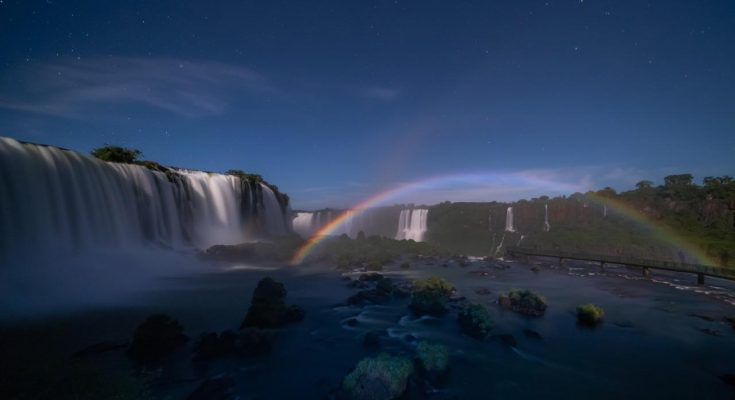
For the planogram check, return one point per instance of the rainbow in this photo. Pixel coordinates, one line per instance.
(520, 181)
(658, 229)
(526, 179)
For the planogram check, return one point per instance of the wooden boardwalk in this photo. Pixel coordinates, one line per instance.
(645, 265)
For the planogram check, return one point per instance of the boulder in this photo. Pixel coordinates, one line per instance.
(157, 337)
(218, 388)
(268, 308)
(524, 302)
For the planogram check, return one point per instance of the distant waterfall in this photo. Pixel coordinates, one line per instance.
(604, 210)
(51, 198)
(547, 227)
(412, 224)
(509, 220)
(303, 224)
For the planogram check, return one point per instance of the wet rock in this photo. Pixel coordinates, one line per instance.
(702, 317)
(532, 334)
(507, 339)
(710, 332)
(212, 345)
(728, 378)
(535, 269)
(249, 342)
(371, 277)
(99, 348)
(157, 337)
(252, 342)
(351, 322)
(268, 308)
(372, 339)
(219, 388)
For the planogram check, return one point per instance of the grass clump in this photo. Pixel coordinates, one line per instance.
(590, 314)
(383, 377)
(430, 295)
(474, 321)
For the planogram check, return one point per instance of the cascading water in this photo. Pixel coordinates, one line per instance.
(53, 198)
(509, 220)
(412, 224)
(547, 227)
(303, 224)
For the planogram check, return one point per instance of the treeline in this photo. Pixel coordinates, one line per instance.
(126, 155)
(702, 214)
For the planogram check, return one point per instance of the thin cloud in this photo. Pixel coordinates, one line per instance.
(183, 87)
(379, 93)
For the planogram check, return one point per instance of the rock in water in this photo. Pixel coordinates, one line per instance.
(158, 336)
(474, 321)
(268, 308)
(383, 377)
(219, 388)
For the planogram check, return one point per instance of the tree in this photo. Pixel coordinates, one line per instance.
(643, 185)
(116, 154)
(678, 180)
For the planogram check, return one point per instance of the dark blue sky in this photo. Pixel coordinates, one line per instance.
(332, 101)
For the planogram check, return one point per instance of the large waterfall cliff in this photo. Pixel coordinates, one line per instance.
(56, 199)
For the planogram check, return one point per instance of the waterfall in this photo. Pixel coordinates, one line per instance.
(604, 210)
(412, 224)
(509, 220)
(547, 227)
(56, 199)
(303, 224)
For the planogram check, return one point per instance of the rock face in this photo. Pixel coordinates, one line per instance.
(524, 302)
(249, 342)
(383, 377)
(219, 388)
(268, 308)
(158, 336)
(474, 321)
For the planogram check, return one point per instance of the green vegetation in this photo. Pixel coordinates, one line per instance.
(383, 377)
(116, 154)
(590, 314)
(523, 301)
(433, 358)
(474, 321)
(372, 252)
(703, 215)
(255, 178)
(429, 296)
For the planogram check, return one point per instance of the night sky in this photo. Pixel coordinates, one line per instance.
(332, 101)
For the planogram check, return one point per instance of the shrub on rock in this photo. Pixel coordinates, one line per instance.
(590, 314)
(523, 301)
(430, 295)
(433, 359)
(158, 336)
(474, 321)
(268, 308)
(383, 377)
